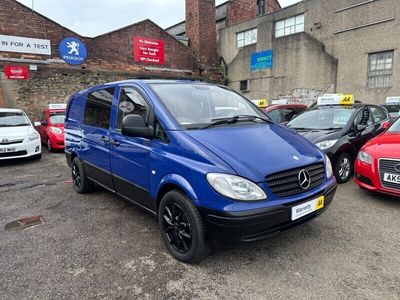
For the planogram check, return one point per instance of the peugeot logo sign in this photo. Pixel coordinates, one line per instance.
(4, 141)
(304, 179)
(397, 168)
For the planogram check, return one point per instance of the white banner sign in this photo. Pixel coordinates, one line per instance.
(9, 43)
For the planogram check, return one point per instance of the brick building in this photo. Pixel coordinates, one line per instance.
(110, 57)
(31, 44)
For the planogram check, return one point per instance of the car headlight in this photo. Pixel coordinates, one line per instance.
(55, 130)
(235, 187)
(326, 144)
(33, 136)
(364, 157)
(328, 167)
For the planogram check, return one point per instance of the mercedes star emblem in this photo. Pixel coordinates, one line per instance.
(304, 179)
(397, 168)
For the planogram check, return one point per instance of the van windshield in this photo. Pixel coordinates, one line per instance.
(198, 105)
(12, 119)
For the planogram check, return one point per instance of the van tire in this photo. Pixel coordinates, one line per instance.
(343, 164)
(81, 183)
(178, 219)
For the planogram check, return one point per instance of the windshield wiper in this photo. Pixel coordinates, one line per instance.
(331, 128)
(300, 128)
(236, 119)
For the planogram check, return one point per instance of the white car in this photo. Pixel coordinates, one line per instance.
(18, 137)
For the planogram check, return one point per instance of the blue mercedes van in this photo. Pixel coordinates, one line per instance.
(206, 162)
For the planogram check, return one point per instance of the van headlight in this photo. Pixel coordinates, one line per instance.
(326, 144)
(235, 187)
(33, 136)
(328, 167)
(364, 157)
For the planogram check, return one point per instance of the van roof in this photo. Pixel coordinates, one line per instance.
(141, 81)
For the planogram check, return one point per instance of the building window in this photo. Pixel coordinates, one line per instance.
(247, 37)
(380, 69)
(289, 26)
(244, 86)
(261, 7)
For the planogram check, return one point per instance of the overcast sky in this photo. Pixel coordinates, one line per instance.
(90, 18)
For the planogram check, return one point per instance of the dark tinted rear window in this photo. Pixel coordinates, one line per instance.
(98, 108)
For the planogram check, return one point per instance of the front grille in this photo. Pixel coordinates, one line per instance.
(286, 183)
(12, 154)
(11, 142)
(388, 166)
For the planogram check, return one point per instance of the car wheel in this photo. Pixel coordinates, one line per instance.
(81, 183)
(182, 228)
(343, 168)
(49, 145)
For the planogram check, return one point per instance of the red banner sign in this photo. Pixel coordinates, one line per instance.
(16, 72)
(148, 51)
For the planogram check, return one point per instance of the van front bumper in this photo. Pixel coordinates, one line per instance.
(228, 229)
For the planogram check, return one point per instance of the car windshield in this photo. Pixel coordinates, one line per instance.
(199, 105)
(12, 119)
(321, 118)
(395, 127)
(57, 118)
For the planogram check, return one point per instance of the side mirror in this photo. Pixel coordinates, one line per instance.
(361, 127)
(386, 125)
(134, 125)
(37, 124)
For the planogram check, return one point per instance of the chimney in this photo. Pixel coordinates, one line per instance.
(201, 31)
(242, 10)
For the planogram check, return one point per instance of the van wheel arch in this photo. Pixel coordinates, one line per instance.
(164, 190)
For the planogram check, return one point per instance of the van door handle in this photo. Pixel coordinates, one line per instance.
(104, 139)
(115, 143)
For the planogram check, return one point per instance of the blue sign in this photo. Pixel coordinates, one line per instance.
(261, 60)
(72, 51)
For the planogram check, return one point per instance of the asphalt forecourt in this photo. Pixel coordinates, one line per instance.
(56, 243)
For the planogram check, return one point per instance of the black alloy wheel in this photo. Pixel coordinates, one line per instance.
(177, 228)
(182, 228)
(81, 183)
(76, 176)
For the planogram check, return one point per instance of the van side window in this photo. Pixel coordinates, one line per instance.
(131, 102)
(98, 108)
(159, 132)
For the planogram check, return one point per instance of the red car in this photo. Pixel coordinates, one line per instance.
(283, 113)
(377, 167)
(51, 129)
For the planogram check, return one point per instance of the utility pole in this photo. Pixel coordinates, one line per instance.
(32, 4)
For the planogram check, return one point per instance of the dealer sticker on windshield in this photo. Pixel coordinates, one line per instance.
(393, 178)
(307, 208)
